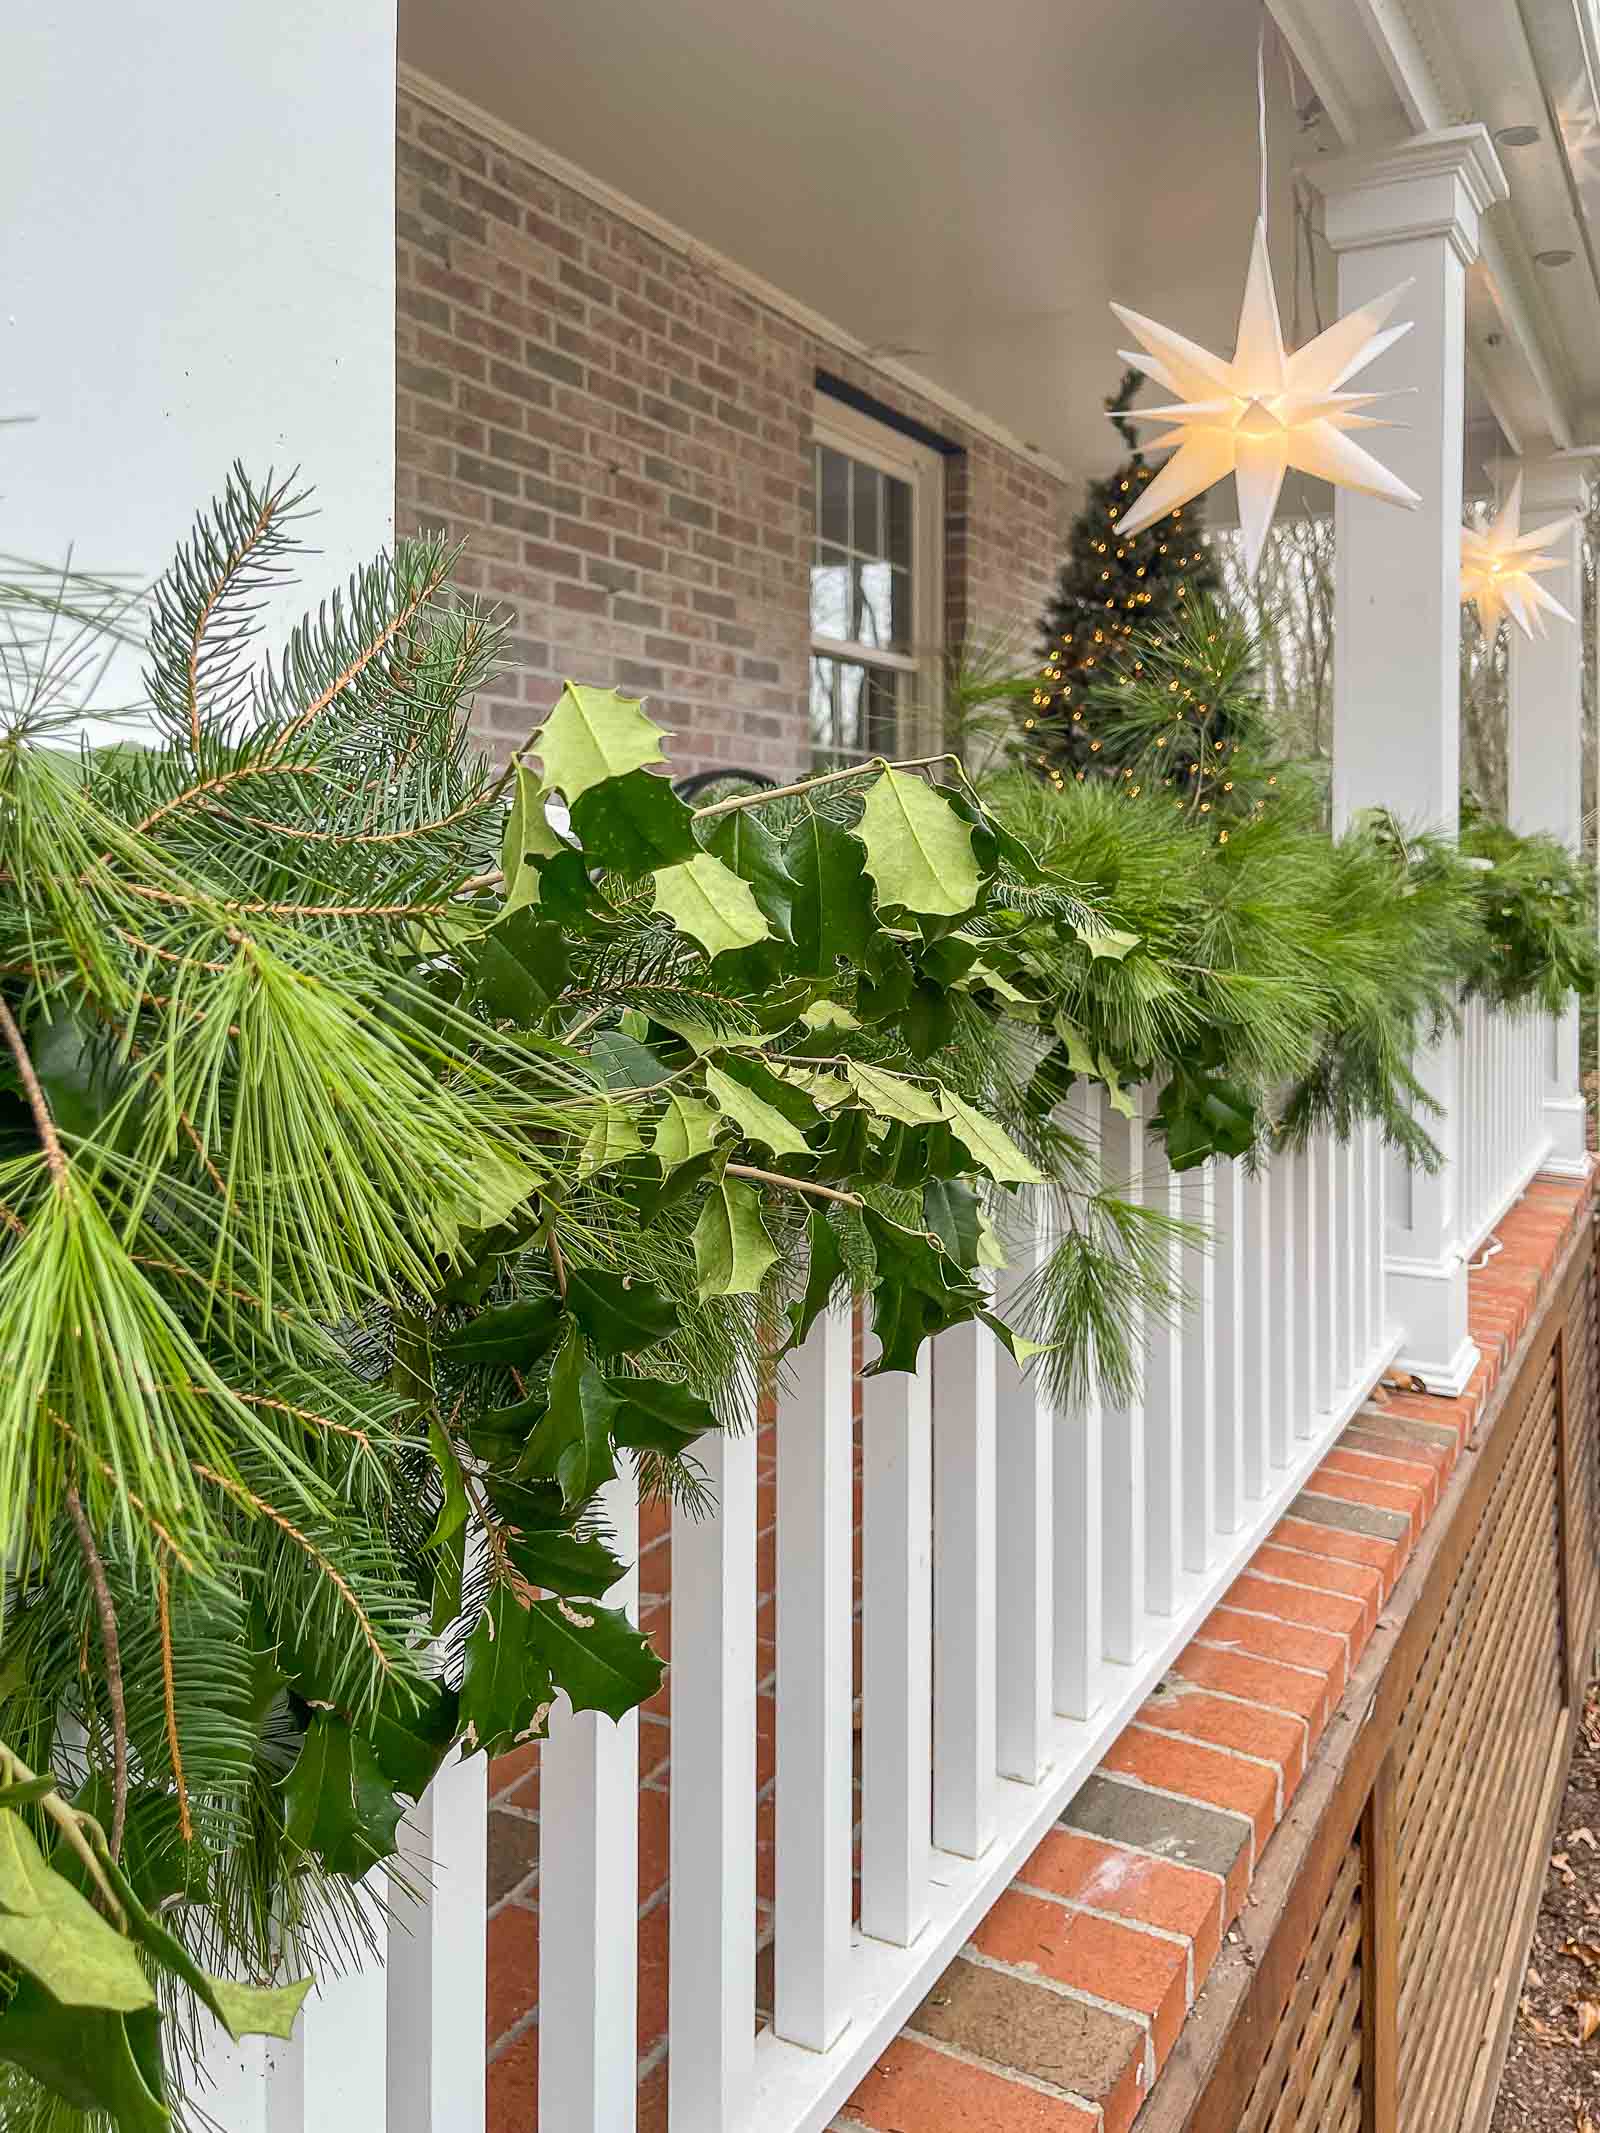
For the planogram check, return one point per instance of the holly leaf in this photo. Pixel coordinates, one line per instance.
(506, 1689)
(686, 1128)
(561, 1561)
(622, 1062)
(243, 2010)
(988, 1143)
(593, 735)
(571, 1442)
(337, 1802)
(919, 851)
(708, 901)
(825, 1268)
(516, 1334)
(828, 1014)
(619, 1315)
(569, 898)
(756, 1119)
(528, 838)
(612, 1138)
(411, 1740)
(732, 1251)
(928, 1020)
(832, 904)
(745, 845)
(633, 824)
(595, 1654)
(51, 1930)
(1105, 943)
(658, 1414)
(951, 1210)
(913, 1296)
(93, 2058)
(518, 967)
(892, 1096)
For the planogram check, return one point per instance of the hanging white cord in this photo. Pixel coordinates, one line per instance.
(1261, 111)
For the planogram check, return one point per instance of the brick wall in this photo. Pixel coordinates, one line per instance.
(622, 439)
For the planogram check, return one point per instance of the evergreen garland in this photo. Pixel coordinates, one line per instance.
(382, 1170)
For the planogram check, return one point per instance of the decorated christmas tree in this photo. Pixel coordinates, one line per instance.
(1110, 593)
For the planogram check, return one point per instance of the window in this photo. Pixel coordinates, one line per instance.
(875, 593)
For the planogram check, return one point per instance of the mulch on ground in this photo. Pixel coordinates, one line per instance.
(1551, 2082)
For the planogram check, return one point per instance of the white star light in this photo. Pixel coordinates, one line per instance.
(1266, 411)
(1500, 567)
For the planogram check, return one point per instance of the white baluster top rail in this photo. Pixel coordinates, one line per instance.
(1023, 1577)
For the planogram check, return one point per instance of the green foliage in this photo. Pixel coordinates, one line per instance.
(383, 1171)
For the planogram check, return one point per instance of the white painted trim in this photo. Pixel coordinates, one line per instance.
(878, 444)
(515, 142)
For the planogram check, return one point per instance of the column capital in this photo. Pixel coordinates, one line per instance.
(1433, 185)
(1553, 484)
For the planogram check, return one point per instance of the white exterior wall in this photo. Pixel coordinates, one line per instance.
(196, 266)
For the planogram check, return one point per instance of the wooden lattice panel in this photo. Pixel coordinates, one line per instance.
(1583, 1467)
(1311, 2080)
(1473, 1750)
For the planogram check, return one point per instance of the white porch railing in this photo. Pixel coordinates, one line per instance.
(1503, 1062)
(1024, 1578)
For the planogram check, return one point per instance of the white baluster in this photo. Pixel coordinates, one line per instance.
(1079, 1525)
(438, 1956)
(1326, 1168)
(1229, 1330)
(964, 1589)
(1197, 1362)
(1024, 1504)
(896, 1650)
(1310, 1271)
(1258, 1329)
(1122, 1432)
(1287, 1273)
(712, 1967)
(589, 1889)
(1164, 1387)
(815, 1680)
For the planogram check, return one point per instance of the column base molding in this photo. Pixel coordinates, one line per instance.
(1566, 1120)
(1429, 1298)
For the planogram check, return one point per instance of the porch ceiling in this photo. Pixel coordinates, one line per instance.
(963, 188)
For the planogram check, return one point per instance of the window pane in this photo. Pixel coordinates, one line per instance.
(830, 594)
(897, 521)
(833, 496)
(855, 712)
(900, 634)
(872, 615)
(880, 713)
(866, 530)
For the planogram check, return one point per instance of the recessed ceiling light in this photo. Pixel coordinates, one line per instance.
(1517, 136)
(1557, 258)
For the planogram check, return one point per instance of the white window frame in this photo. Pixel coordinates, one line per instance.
(860, 436)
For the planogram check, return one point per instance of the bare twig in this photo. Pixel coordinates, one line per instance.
(170, 1701)
(71, 1825)
(54, 1154)
(112, 1649)
(828, 777)
(558, 1265)
(776, 1177)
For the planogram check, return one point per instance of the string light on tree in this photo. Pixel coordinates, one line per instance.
(1266, 410)
(1501, 567)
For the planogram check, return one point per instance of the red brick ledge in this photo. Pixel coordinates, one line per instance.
(1061, 2010)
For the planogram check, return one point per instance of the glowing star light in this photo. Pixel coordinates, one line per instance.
(1500, 568)
(1266, 411)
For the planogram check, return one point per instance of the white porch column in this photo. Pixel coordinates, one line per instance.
(1544, 760)
(1411, 214)
(197, 260)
